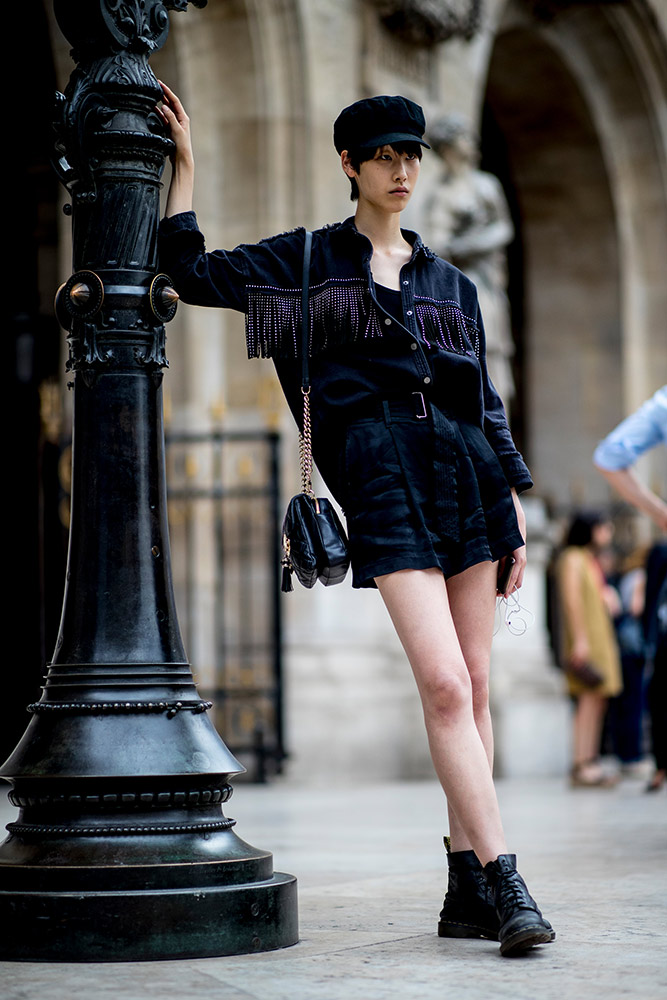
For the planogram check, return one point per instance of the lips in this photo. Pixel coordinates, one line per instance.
(399, 190)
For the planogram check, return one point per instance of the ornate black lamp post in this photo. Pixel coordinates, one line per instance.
(121, 850)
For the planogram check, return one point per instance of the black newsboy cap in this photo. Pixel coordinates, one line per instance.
(379, 121)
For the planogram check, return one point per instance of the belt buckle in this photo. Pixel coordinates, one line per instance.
(423, 415)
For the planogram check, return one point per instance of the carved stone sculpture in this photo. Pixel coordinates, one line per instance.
(429, 22)
(470, 225)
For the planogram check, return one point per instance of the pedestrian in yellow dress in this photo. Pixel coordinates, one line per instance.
(588, 641)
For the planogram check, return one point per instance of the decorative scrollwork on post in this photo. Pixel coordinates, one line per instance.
(130, 25)
(110, 153)
(135, 25)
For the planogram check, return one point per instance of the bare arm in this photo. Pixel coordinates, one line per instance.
(631, 489)
(638, 596)
(181, 188)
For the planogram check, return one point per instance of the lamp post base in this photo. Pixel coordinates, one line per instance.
(143, 926)
(120, 868)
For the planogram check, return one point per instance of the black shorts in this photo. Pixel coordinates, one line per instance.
(423, 492)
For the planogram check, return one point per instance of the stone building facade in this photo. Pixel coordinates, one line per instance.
(569, 101)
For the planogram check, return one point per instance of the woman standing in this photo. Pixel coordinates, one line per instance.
(412, 440)
(588, 642)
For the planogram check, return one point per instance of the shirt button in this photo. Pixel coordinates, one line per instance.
(406, 282)
(387, 322)
(427, 380)
(413, 347)
(409, 312)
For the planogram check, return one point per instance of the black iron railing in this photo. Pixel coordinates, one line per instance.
(223, 505)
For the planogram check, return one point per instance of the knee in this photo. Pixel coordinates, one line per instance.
(447, 696)
(479, 679)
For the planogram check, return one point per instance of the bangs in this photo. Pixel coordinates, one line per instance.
(370, 152)
(411, 148)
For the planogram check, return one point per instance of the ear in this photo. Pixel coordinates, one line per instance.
(347, 164)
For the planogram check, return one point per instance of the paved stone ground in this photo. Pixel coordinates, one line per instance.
(371, 877)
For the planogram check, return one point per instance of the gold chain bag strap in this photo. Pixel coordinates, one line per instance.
(314, 540)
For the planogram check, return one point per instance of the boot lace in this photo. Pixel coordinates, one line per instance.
(513, 892)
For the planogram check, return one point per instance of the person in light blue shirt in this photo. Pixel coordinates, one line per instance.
(644, 429)
(616, 454)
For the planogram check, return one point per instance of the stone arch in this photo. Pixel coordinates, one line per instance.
(575, 126)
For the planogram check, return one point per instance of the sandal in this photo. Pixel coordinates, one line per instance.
(657, 781)
(589, 774)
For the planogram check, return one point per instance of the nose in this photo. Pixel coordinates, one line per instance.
(400, 171)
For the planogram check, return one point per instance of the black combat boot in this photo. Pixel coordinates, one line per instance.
(522, 926)
(467, 911)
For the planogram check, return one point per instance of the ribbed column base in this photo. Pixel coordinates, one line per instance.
(149, 925)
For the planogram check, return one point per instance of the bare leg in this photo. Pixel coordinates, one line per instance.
(588, 720)
(474, 621)
(421, 611)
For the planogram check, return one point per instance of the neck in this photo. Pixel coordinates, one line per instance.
(383, 229)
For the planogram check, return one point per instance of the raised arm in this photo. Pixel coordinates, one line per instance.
(181, 188)
(614, 457)
(633, 490)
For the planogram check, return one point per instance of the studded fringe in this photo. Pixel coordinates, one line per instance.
(443, 323)
(273, 322)
(341, 312)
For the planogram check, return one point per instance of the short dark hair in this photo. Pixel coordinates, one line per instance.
(363, 153)
(580, 532)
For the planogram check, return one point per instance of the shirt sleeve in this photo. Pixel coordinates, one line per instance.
(642, 430)
(496, 427)
(200, 278)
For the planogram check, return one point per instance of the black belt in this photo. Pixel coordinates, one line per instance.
(414, 405)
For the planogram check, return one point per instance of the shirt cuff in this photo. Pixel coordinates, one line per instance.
(176, 223)
(516, 472)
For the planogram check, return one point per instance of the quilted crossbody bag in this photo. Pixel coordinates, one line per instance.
(314, 540)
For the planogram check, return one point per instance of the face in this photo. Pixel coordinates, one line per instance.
(602, 534)
(387, 180)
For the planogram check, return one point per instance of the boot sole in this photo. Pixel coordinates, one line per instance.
(525, 939)
(451, 929)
